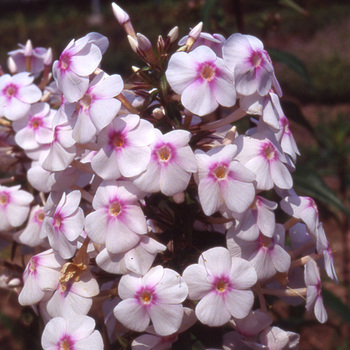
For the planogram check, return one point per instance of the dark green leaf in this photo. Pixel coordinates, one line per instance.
(335, 304)
(311, 184)
(291, 61)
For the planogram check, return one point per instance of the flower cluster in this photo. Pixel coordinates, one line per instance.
(124, 184)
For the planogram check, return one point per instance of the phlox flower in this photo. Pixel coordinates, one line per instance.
(267, 255)
(31, 234)
(223, 180)
(202, 80)
(171, 165)
(222, 284)
(76, 333)
(274, 338)
(17, 93)
(41, 275)
(73, 297)
(156, 297)
(259, 217)
(286, 139)
(138, 259)
(253, 71)
(35, 128)
(124, 147)
(77, 61)
(63, 223)
(14, 206)
(261, 154)
(314, 301)
(97, 108)
(118, 220)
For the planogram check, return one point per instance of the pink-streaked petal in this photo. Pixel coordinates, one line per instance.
(173, 179)
(242, 274)
(81, 326)
(166, 319)
(105, 164)
(217, 261)
(280, 259)
(280, 175)
(29, 94)
(102, 112)
(153, 276)
(133, 161)
(93, 224)
(209, 196)
(196, 277)
(15, 109)
(212, 311)
(31, 293)
(109, 87)
(239, 302)
(320, 311)
(128, 286)
(236, 48)
(93, 342)
(86, 61)
(132, 315)
(53, 332)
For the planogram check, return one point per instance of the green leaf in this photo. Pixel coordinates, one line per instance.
(291, 61)
(335, 304)
(206, 12)
(294, 6)
(311, 184)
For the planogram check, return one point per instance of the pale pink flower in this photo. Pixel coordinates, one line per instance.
(63, 223)
(41, 275)
(35, 128)
(274, 338)
(202, 80)
(124, 146)
(72, 298)
(77, 61)
(31, 234)
(267, 255)
(118, 220)
(314, 301)
(138, 259)
(17, 93)
(253, 71)
(14, 206)
(97, 108)
(262, 155)
(171, 165)
(156, 297)
(76, 333)
(222, 284)
(223, 180)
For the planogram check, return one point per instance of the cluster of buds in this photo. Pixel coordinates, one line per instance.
(147, 201)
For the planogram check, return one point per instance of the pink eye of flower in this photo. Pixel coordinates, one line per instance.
(40, 216)
(3, 199)
(269, 151)
(117, 140)
(85, 102)
(164, 153)
(64, 61)
(208, 72)
(66, 344)
(32, 266)
(10, 90)
(256, 59)
(57, 220)
(220, 172)
(222, 284)
(146, 297)
(35, 123)
(115, 209)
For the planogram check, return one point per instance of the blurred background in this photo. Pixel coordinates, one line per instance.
(309, 43)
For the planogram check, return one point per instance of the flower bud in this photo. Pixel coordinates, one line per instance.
(48, 57)
(133, 43)
(143, 42)
(173, 34)
(11, 64)
(28, 49)
(121, 16)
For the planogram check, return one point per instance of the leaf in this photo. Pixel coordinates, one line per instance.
(335, 304)
(206, 11)
(311, 184)
(291, 61)
(294, 6)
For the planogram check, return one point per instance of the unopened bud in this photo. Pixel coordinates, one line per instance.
(143, 42)
(133, 43)
(158, 113)
(11, 64)
(196, 31)
(173, 34)
(15, 282)
(121, 16)
(179, 197)
(48, 57)
(28, 49)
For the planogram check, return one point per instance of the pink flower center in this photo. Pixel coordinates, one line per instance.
(32, 266)
(35, 123)
(115, 209)
(269, 151)
(57, 220)
(64, 61)
(40, 216)
(222, 284)
(85, 102)
(208, 72)
(11, 90)
(3, 198)
(221, 172)
(256, 59)
(117, 140)
(164, 153)
(146, 296)
(66, 343)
